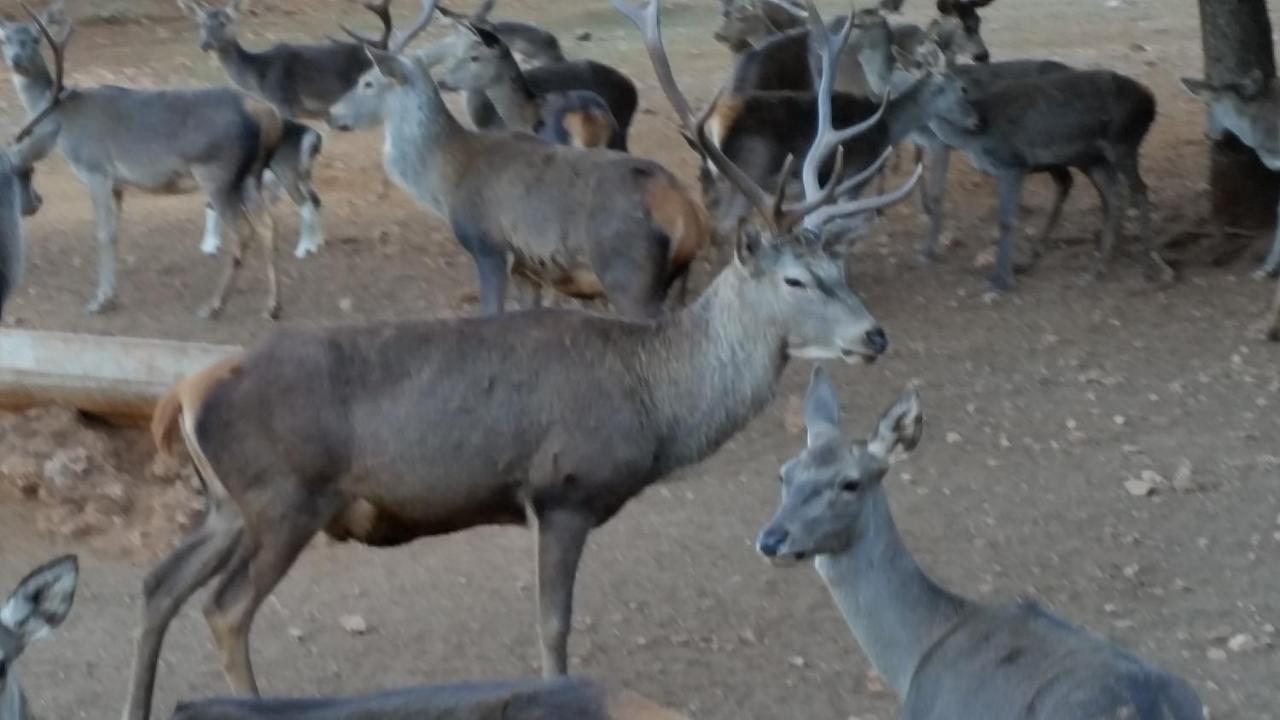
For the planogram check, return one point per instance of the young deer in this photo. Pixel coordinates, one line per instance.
(39, 604)
(159, 141)
(387, 433)
(944, 655)
(556, 699)
(587, 224)
(479, 62)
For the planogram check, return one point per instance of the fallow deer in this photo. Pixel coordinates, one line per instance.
(945, 656)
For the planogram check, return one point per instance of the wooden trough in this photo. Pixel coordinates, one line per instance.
(116, 378)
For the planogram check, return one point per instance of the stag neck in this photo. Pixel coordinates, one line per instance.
(896, 612)
(424, 146)
(908, 110)
(238, 63)
(713, 366)
(34, 89)
(513, 97)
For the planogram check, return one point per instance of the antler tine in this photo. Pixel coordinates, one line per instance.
(481, 13)
(382, 9)
(428, 12)
(825, 138)
(826, 214)
(59, 65)
(649, 23)
(789, 7)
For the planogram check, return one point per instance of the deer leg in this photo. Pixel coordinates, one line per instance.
(1062, 183)
(562, 534)
(231, 213)
(200, 556)
(1273, 324)
(1010, 182)
(311, 236)
(1271, 266)
(1104, 180)
(933, 194)
(265, 229)
(493, 267)
(106, 211)
(1137, 196)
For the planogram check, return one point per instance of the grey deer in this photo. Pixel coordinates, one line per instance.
(480, 62)
(1092, 120)
(533, 46)
(40, 603)
(1248, 109)
(331, 430)
(945, 656)
(158, 141)
(556, 699)
(18, 199)
(587, 224)
(745, 24)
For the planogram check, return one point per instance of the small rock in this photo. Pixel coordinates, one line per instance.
(346, 304)
(1218, 634)
(583, 36)
(1120, 420)
(748, 637)
(1243, 642)
(953, 438)
(1138, 488)
(1216, 654)
(1153, 478)
(1182, 477)
(797, 661)
(354, 624)
(1139, 47)
(297, 634)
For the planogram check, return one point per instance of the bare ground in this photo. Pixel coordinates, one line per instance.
(1040, 406)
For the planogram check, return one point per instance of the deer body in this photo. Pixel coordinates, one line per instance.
(588, 224)
(945, 656)
(575, 698)
(18, 199)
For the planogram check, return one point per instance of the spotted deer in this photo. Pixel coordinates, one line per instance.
(40, 603)
(157, 141)
(944, 655)
(587, 224)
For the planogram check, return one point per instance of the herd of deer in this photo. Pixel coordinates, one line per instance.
(383, 434)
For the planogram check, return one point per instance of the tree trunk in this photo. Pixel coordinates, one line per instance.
(1237, 39)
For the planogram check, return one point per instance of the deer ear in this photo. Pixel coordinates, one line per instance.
(946, 7)
(389, 65)
(42, 600)
(750, 243)
(902, 424)
(1198, 88)
(482, 13)
(821, 408)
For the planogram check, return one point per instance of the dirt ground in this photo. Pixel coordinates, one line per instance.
(1041, 405)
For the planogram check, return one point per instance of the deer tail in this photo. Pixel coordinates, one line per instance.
(180, 408)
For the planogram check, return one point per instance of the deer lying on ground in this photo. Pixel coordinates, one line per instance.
(19, 199)
(386, 433)
(39, 604)
(158, 141)
(558, 699)
(945, 656)
(479, 62)
(1248, 109)
(1092, 120)
(586, 223)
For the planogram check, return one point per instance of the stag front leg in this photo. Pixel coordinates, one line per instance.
(106, 210)
(1273, 322)
(231, 213)
(1010, 199)
(933, 194)
(212, 238)
(1271, 266)
(1104, 181)
(562, 534)
(493, 267)
(1062, 183)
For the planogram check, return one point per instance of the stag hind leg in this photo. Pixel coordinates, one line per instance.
(107, 202)
(933, 194)
(1105, 182)
(1062, 183)
(1136, 187)
(1271, 266)
(562, 535)
(1010, 189)
(493, 267)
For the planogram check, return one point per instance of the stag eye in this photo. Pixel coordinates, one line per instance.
(794, 282)
(850, 486)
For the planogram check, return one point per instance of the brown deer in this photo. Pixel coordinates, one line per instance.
(387, 433)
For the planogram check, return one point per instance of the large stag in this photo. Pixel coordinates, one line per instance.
(387, 433)
(585, 223)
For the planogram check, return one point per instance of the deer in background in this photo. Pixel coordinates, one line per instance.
(745, 24)
(40, 603)
(530, 442)
(1248, 109)
(532, 46)
(945, 656)
(158, 141)
(558, 699)
(585, 223)
(19, 199)
(480, 62)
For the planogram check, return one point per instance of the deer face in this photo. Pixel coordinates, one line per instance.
(21, 42)
(803, 283)
(830, 491)
(39, 604)
(364, 106)
(477, 60)
(960, 29)
(1230, 103)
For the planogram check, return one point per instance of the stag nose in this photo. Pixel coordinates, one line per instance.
(771, 541)
(982, 57)
(877, 340)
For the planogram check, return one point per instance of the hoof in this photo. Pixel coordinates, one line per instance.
(210, 249)
(100, 305)
(210, 312)
(1267, 272)
(999, 283)
(1162, 276)
(272, 312)
(927, 257)
(307, 249)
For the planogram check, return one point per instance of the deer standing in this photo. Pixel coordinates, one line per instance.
(745, 24)
(500, 443)
(585, 223)
(18, 199)
(561, 698)
(39, 604)
(158, 141)
(480, 62)
(533, 46)
(945, 656)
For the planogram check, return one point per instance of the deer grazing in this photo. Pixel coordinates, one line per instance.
(576, 698)
(39, 604)
(158, 141)
(480, 62)
(417, 429)
(585, 223)
(945, 656)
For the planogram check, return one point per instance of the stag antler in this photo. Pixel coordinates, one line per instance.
(380, 8)
(59, 49)
(428, 12)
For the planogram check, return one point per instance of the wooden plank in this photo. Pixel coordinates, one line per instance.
(117, 378)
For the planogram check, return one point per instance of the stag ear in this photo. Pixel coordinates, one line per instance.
(42, 600)
(389, 65)
(821, 408)
(750, 244)
(902, 424)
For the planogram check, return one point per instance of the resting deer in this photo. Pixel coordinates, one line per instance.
(158, 141)
(419, 429)
(18, 199)
(479, 62)
(585, 223)
(945, 656)
(558, 699)
(39, 604)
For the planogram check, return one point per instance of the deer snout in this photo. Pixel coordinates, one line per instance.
(771, 541)
(982, 56)
(877, 340)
